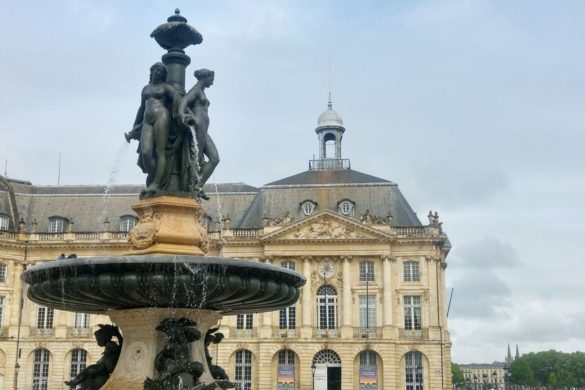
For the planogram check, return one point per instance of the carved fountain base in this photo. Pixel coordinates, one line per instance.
(169, 225)
(142, 342)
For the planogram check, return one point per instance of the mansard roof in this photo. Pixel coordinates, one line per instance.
(328, 176)
(327, 188)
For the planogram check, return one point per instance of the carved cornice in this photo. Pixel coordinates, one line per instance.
(326, 226)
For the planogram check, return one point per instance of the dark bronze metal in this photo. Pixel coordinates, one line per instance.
(175, 368)
(95, 376)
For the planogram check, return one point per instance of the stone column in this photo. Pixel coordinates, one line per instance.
(307, 301)
(347, 304)
(387, 295)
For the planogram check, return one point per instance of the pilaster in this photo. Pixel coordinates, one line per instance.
(306, 300)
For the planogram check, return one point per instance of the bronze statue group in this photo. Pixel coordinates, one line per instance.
(175, 149)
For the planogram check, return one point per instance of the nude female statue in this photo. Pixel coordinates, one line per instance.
(152, 126)
(193, 111)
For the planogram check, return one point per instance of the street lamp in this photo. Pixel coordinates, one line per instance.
(313, 368)
(507, 375)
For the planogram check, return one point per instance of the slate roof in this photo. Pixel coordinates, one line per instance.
(335, 176)
(328, 188)
(87, 206)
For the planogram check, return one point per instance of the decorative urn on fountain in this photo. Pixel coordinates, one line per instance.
(165, 295)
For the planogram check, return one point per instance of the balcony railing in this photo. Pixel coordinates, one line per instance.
(329, 163)
(51, 236)
(284, 333)
(416, 334)
(246, 233)
(78, 332)
(326, 333)
(243, 333)
(43, 332)
(7, 235)
(411, 231)
(367, 333)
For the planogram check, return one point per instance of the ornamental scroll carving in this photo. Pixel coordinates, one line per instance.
(282, 221)
(326, 229)
(143, 235)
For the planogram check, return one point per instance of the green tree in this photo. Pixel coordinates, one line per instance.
(457, 374)
(521, 372)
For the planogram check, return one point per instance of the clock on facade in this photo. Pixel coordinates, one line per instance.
(327, 269)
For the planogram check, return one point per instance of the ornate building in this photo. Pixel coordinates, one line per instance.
(373, 310)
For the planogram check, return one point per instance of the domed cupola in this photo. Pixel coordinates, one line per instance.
(330, 130)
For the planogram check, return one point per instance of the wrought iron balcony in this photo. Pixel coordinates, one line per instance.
(329, 163)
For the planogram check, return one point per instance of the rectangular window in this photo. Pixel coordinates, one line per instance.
(367, 312)
(289, 265)
(81, 320)
(244, 321)
(366, 271)
(4, 222)
(412, 312)
(56, 225)
(411, 271)
(45, 317)
(2, 273)
(287, 318)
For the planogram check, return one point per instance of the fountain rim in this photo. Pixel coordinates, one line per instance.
(128, 261)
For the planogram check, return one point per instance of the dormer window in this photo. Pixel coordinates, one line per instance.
(345, 207)
(127, 222)
(308, 207)
(4, 222)
(57, 224)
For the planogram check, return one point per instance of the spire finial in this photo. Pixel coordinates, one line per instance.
(329, 102)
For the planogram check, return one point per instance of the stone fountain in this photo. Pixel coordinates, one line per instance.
(165, 295)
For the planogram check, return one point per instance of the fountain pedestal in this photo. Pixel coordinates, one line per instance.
(169, 225)
(142, 342)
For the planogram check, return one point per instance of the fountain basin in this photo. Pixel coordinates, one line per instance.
(100, 284)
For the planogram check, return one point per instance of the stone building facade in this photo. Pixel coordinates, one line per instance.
(373, 309)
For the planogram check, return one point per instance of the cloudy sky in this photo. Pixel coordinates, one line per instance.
(475, 108)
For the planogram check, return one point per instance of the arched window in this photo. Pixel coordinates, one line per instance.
(4, 222)
(327, 307)
(2, 273)
(286, 357)
(127, 222)
(41, 370)
(367, 358)
(327, 357)
(57, 224)
(368, 370)
(413, 371)
(78, 363)
(243, 374)
(286, 370)
(330, 144)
